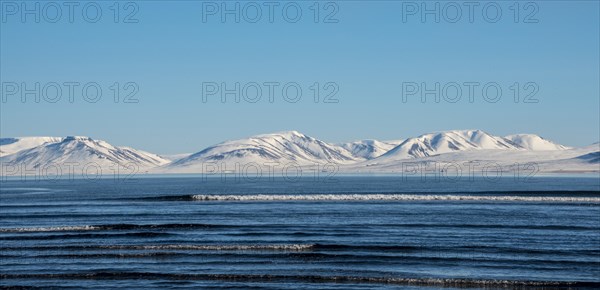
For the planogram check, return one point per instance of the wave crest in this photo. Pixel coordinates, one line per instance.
(390, 197)
(283, 247)
(49, 229)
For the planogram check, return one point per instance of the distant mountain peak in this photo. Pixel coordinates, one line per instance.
(33, 152)
(448, 141)
(535, 142)
(282, 147)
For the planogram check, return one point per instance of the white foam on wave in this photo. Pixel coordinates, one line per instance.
(49, 229)
(391, 197)
(288, 247)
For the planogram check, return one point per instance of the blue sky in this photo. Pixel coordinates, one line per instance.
(170, 52)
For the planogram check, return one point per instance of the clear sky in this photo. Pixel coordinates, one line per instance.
(374, 48)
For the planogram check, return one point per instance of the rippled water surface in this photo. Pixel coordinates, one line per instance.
(355, 232)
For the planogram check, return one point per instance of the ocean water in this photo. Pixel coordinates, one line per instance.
(347, 233)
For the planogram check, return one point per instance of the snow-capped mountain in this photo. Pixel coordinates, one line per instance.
(369, 149)
(379, 156)
(576, 160)
(446, 142)
(293, 147)
(78, 152)
(534, 142)
(289, 146)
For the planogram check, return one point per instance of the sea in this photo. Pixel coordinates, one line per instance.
(347, 232)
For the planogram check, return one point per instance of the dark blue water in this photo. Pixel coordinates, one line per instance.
(153, 233)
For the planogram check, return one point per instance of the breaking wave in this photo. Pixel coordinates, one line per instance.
(49, 229)
(107, 227)
(183, 247)
(391, 197)
(283, 247)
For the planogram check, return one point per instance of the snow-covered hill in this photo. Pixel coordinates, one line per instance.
(446, 142)
(534, 142)
(478, 162)
(75, 152)
(282, 147)
(387, 157)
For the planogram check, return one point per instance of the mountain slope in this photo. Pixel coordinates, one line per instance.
(373, 155)
(478, 162)
(446, 142)
(289, 146)
(534, 142)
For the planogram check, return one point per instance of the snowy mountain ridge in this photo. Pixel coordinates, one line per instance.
(295, 147)
(287, 146)
(75, 151)
(449, 141)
